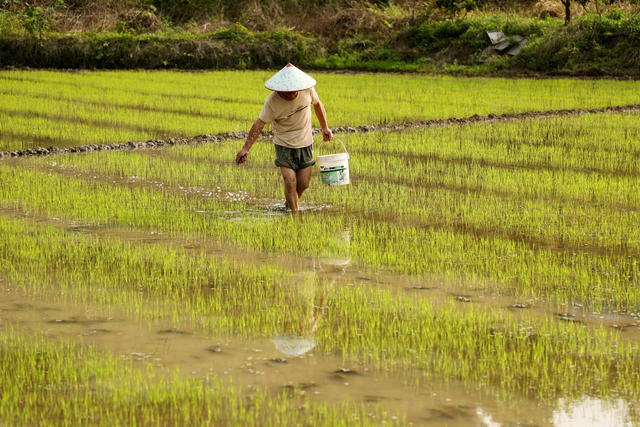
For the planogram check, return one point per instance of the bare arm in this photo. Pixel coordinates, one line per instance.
(321, 114)
(254, 133)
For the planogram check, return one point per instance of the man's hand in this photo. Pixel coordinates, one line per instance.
(253, 135)
(327, 135)
(241, 157)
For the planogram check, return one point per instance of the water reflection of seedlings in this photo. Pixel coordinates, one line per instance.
(568, 317)
(173, 331)
(452, 412)
(340, 248)
(28, 307)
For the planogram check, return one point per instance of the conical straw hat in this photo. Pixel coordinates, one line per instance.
(290, 79)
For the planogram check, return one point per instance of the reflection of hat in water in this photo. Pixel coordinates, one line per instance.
(290, 79)
(293, 345)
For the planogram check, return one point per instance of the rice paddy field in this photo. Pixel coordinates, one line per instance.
(471, 274)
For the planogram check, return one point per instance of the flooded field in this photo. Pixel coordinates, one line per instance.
(476, 274)
(320, 376)
(46, 108)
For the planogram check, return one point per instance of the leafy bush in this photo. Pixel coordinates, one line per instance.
(432, 32)
(35, 20)
(454, 7)
(10, 23)
(590, 45)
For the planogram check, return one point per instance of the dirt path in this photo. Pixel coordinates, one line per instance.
(221, 137)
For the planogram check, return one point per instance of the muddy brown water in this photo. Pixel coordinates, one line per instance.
(322, 377)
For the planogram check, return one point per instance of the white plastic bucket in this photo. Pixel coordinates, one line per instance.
(334, 168)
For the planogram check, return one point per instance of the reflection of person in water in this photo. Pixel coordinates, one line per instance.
(307, 302)
(297, 345)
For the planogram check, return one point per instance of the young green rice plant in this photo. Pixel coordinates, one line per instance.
(161, 104)
(387, 330)
(542, 208)
(43, 382)
(153, 282)
(77, 123)
(533, 208)
(481, 347)
(160, 209)
(383, 98)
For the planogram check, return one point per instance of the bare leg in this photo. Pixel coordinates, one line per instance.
(302, 180)
(290, 191)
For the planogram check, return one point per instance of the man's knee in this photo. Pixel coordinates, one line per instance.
(302, 185)
(290, 181)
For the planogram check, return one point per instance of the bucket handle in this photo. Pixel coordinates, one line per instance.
(323, 141)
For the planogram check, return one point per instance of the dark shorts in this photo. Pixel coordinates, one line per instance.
(294, 158)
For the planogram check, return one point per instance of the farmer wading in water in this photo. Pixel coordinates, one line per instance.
(289, 109)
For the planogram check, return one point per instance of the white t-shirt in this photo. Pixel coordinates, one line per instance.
(291, 119)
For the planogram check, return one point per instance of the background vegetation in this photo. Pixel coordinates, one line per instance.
(407, 35)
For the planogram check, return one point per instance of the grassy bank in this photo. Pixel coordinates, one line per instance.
(592, 45)
(234, 48)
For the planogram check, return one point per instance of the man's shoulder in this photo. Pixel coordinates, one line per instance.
(309, 92)
(271, 98)
(312, 94)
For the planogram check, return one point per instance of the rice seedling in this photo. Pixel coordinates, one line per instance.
(144, 105)
(507, 204)
(544, 209)
(387, 330)
(153, 282)
(65, 123)
(61, 383)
